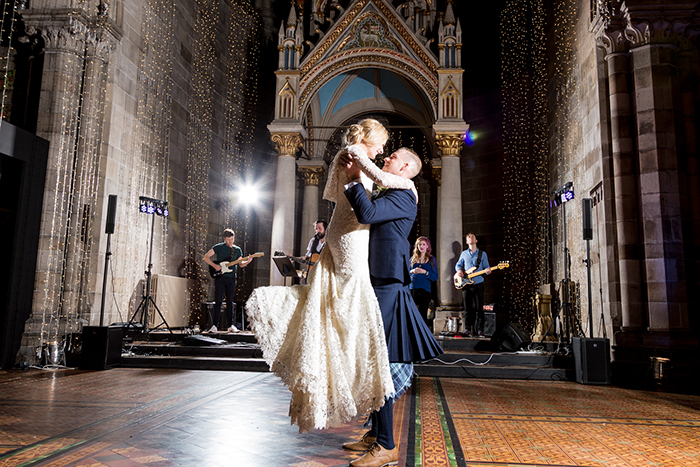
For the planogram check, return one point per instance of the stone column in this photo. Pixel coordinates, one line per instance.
(80, 278)
(625, 186)
(449, 244)
(312, 173)
(282, 238)
(58, 122)
(656, 83)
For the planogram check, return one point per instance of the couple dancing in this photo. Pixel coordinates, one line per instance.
(345, 342)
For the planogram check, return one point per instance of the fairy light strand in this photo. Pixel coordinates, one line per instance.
(525, 153)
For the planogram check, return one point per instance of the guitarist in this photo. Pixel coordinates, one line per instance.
(318, 241)
(473, 294)
(225, 283)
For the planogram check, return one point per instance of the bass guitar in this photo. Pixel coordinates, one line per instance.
(227, 266)
(461, 282)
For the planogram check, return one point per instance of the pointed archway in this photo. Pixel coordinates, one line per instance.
(371, 58)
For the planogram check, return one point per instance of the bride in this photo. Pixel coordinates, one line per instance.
(325, 340)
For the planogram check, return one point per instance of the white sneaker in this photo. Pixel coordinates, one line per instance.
(233, 329)
(212, 329)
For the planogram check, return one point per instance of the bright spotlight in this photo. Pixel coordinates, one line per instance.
(248, 194)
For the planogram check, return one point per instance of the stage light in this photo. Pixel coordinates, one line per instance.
(248, 195)
(563, 194)
(153, 206)
(469, 138)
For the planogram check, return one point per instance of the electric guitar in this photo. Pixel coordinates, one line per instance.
(227, 266)
(311, 261)
(461, 282)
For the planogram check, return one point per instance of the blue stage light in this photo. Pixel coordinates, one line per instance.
(563, 194)
(469, 138)
(153, 206)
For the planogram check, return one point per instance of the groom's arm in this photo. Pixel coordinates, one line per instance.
(396, 204)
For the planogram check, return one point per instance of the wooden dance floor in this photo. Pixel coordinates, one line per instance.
(158, 418)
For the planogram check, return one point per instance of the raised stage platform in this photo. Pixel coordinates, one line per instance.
(463, 357)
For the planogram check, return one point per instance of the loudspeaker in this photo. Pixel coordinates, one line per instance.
(586, 217)
(102, 347)
(493, 320)
(592, 360)
(510, 338)
(111, 214)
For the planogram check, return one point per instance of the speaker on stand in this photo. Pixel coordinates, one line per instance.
(102, 345)
(591, 355)
(109, 230)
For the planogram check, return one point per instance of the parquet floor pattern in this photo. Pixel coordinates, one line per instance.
(159, 418)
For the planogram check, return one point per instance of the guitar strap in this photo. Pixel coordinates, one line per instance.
(478, 259)
(314, 244)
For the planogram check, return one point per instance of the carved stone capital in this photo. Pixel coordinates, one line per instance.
(287, 144)
(657, 31)
(635, 26)
(312, 175)
(450, 144)
(613, 41)
(67, 38)
(99, 44)
(674, 25)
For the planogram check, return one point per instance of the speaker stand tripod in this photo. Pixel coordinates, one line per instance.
(147, 300)
(567, 328)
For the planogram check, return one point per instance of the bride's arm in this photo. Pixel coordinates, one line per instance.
(379, 177)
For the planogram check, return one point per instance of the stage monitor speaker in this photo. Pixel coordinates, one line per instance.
(592, 360)
(102, 347)
(494, 319)
(586, 216)
(111, 214)
(510, 338)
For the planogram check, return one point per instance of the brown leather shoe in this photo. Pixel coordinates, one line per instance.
(362, 445)
(377, 456)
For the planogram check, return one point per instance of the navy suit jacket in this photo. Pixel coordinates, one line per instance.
(392, 215)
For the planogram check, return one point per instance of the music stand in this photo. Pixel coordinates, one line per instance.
(285, 267)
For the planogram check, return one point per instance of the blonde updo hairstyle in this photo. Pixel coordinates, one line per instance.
(367, 131)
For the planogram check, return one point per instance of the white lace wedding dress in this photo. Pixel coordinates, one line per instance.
(326, 339)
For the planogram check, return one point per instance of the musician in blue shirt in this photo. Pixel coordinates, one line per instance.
(472, 260)
(423, 272)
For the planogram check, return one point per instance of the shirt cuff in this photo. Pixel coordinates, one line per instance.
(357, 181)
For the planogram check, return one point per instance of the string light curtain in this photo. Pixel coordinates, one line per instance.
(147, 165)
(525, 154)
(567, 146)
(241, 101)
(199, 141)
(242, 54)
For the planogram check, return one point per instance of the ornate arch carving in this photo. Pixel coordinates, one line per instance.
(354, 61)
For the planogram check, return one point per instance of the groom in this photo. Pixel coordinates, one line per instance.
(391, 215)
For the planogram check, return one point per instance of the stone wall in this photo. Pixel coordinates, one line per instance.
(146, 98)
(577, 124)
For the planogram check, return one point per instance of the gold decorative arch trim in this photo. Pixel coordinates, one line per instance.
(355, 61)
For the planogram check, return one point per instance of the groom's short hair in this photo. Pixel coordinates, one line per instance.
(414, 163)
